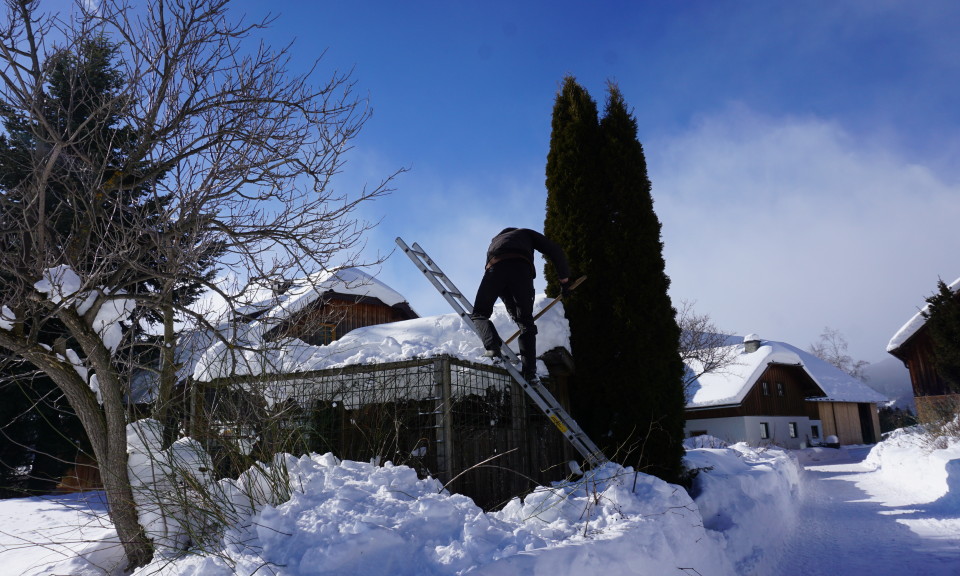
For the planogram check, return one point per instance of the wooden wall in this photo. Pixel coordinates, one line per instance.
(336, 317)
(847, 420)
(917, 356)
(83, 475)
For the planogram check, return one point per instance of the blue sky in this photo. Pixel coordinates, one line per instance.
(802, 154)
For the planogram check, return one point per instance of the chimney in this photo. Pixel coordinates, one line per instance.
(279, 287)
(751, 343)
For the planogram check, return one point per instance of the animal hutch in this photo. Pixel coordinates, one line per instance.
(467, 424)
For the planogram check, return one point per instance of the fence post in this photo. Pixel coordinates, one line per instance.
(444, 428)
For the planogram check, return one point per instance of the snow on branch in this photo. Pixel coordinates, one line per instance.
(63, 285)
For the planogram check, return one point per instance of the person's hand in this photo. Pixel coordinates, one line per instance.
(564, 287)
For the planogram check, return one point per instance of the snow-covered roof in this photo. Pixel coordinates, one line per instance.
(914, 324)
(731, 385)
(195, 347)
(301, 293)
(447, 334)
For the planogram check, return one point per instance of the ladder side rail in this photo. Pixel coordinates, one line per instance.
(437, 273)
(560, 418)
(547, 403)
(433, 272)
(434, 275)
(431, 275)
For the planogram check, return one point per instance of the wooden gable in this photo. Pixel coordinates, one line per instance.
(916, 353)
(334, 315)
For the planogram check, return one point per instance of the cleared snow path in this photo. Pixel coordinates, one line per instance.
(843, 529)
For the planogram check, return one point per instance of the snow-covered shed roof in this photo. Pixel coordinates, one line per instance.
(261, 300)
(447, 334)
(731, 385)
(914, 324)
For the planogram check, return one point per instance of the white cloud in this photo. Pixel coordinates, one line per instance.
(783, 226)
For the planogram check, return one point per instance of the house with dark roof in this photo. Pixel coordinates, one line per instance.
(775, 393)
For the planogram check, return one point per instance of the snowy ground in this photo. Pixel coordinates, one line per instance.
(894, 509)
(855, 521)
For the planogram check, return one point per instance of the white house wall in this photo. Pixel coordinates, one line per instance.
(748, 429)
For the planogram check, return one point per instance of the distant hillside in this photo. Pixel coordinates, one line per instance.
(891, 378)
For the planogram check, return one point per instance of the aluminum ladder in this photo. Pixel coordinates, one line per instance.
(536, 391)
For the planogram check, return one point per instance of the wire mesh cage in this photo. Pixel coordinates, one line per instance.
(467, 424)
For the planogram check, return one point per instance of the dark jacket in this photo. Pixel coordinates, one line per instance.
(520, 243)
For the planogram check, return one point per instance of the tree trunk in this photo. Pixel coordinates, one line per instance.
(108, 439)
(123, 510)
(112, 453)
(168, 377)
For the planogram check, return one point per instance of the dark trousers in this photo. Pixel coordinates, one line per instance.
(512, 282)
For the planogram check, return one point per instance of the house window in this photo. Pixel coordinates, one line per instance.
(793, 429)
(326, 333)
(815, 431)
(765, 388)
(764, 431)
(779, 388)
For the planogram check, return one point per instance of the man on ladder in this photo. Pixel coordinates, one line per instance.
(509, 276)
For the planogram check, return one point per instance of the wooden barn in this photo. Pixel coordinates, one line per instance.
(912, 346)
(774, 393)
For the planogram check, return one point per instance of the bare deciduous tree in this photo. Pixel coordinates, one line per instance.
(199, 150)
(702, 345)
(832, 348)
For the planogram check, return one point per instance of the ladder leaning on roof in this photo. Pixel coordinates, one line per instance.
(535, 390)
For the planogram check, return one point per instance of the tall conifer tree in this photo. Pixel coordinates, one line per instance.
(943, 323)
(572, 171)
(572, 174)
(628, 391)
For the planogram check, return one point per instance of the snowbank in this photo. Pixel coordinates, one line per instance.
(747, 498)
(896, 462)
(356, 518)
(351, 518)
(164, 481)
